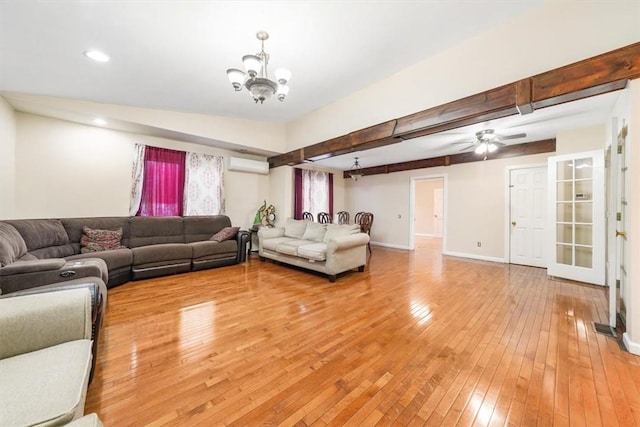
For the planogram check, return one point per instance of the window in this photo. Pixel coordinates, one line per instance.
(313, 192)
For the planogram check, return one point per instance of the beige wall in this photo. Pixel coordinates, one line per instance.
(7, 160)
(424, 223)
(583, 139)
(572, 31)
(67, 170)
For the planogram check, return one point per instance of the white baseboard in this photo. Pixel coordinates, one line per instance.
(473, 256)
(390, 245)
(633, 347)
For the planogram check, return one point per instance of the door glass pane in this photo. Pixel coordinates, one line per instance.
(584, 212)
(564, 233)
(564, 254)
(583, 190)
(584, 257)
(565, 170)
(564, 212)
(565, 191)
(583, 234)
(584, 168)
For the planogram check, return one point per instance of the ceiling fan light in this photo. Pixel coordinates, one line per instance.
(236, 77)
(253, 64)
(481, 148)
(282, 75)
(491, 147)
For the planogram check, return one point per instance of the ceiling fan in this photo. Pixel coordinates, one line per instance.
(487, 141)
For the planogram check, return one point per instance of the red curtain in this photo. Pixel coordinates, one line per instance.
(297, 194)
(163, 183)
(331, 194)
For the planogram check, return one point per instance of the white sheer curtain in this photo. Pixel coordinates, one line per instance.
(315, 192)
(137, 175)
(203, 185)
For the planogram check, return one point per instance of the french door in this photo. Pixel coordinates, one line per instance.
(577, 217)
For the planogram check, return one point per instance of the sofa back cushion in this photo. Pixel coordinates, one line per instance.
(45, 238)
(153, 230)
(315, 232)
(295, 228)
(199, 228)
(335, 230)
(74, 228)
(12, 246)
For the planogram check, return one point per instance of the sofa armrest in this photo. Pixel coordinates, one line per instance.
(33, 322)
(345, 242)
(242, 237)
(20, 267)
(270, 232)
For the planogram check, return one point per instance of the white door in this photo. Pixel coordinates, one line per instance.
(528, 206)
(437, 212)
(576, 211)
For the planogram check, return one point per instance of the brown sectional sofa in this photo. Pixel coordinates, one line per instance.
(35, 252)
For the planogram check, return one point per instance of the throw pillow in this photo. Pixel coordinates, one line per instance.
(295, 228)
(225, 234)
(315, 232)
(335, 230)
(96, 240)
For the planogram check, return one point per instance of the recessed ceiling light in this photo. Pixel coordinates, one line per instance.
(99, 121)
(96, 55)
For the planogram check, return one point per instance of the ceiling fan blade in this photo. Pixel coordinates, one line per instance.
(466, 148)
(517, 135)
(498, 143)
(463, 142)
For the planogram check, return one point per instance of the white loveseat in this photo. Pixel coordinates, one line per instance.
(327, 248)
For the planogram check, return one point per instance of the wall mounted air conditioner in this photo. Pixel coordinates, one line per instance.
(247, 165)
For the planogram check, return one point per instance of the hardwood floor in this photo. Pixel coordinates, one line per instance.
(417, 339)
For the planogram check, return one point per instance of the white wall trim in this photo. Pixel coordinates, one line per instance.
(412, 202)
(391, 245)
(507, 205)
(633, 347)
(425, 235)
(474, 256)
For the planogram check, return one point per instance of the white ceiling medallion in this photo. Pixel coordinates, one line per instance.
(256, 79)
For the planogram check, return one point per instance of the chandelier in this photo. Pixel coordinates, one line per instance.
(256, 79)
(356, 171)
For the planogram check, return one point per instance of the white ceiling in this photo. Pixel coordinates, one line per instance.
(172, 55)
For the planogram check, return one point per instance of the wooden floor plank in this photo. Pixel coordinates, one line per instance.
(416, 339)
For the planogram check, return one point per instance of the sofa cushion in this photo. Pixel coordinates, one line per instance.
(115, 259)
(295, 228)
(211, 249)
(12, 245)
(47, 385)
(74, 228)
(225, 234)
(45, 238)
(315, 252)
(153, 230)
(199, 228)
(271, 244)
(291, 247)
(315, 232)
(335, 230)
(98, 240)
(161, 253)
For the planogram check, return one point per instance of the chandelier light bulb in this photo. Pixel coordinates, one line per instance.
(252, 64)
(283, 75)
(236, 77)
(283, 91)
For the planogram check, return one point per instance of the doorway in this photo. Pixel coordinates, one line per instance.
(527, 215)
(427, 209)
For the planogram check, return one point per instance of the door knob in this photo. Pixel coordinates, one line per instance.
(621, 233)
(513, 223)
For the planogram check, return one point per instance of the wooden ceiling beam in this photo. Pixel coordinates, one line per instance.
(526, 149)
(594, 76)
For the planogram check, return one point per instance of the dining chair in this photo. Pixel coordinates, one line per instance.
(366, 221)
(343, 217)
(356, 219)
(307, 216)
(324, 218)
